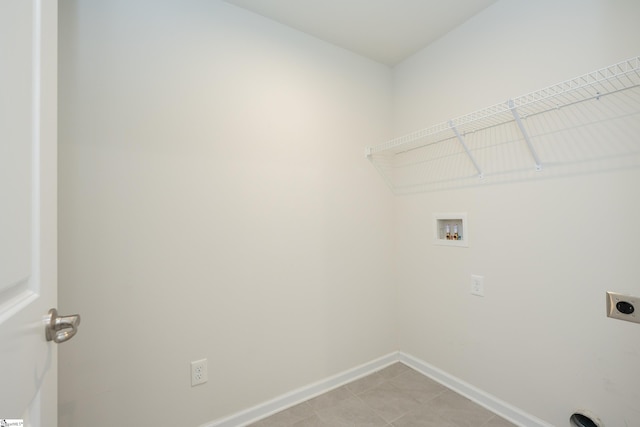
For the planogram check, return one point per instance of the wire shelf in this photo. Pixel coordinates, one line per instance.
(456, 152)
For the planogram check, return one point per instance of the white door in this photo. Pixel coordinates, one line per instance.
(28, 289)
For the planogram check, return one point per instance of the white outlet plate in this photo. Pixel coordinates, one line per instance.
(477, 285)
(199, 373)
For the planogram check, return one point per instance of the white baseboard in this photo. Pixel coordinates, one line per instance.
(492, 403)
(290, 399)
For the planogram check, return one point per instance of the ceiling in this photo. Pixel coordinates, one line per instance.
(387, 31)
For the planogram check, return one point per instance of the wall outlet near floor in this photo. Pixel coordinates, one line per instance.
(477, 285)
(199, 372)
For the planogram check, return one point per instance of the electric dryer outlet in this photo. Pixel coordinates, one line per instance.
(623, 307)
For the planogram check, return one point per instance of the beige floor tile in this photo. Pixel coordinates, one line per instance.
(350, 412)
(418, 386)
(459, 410)
(314, 421)
(389, 402)
(424, 416)
(366, 383)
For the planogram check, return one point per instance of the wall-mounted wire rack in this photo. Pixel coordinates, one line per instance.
(524, 133)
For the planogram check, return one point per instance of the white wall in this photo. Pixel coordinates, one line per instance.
(548, 248)
(215, 202)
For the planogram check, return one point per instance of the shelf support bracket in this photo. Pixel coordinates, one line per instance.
(466, 149)
(523, 130)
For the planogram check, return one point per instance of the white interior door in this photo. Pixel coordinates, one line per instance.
(28, 289)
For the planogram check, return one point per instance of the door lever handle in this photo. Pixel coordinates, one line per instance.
(61, 328)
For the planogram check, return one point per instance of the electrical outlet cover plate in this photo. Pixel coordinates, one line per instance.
(477, 285)
(199, 372)
(630, 307)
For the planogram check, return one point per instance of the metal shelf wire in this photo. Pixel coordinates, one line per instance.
(456, 151)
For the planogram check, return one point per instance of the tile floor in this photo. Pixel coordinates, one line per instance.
(395, 396)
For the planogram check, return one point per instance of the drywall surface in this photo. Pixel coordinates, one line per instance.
(548, 248)
(215, 202)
